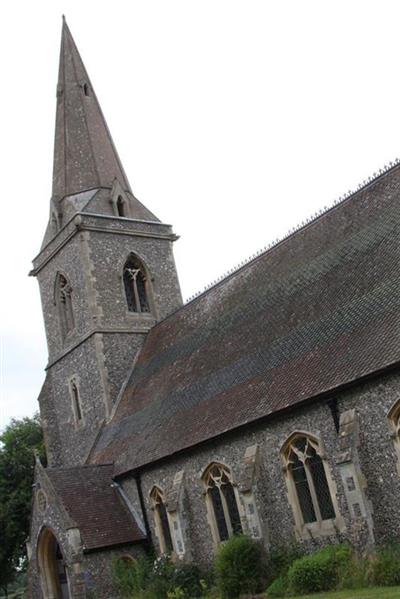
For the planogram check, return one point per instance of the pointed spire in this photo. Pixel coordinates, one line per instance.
(84, 153)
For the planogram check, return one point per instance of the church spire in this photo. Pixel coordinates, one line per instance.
(84, 153)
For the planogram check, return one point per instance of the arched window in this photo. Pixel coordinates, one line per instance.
(394, 418)
(76, 401)
(121, 206)
(221, 502)
(63, 298)
(136, 285)
(308, 480)
(161, 520)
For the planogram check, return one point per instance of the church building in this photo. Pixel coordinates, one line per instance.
(268, 405)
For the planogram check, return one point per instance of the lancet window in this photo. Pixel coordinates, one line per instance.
(308, 480)
(76, 402)
(161, 520)
(136, 286)
(222, 502)
(394, 417)
(64, 303)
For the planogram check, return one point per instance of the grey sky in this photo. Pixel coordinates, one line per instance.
(234, 120)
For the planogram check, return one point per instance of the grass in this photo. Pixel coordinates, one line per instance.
(371, 593)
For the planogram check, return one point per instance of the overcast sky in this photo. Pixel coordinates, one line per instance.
(235, 121)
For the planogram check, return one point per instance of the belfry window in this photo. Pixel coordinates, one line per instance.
(221, 502)
(308, 480)
(63, 298)
(161, 520)
(136, 286)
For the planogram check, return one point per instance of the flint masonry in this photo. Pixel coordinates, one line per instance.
(268, 405)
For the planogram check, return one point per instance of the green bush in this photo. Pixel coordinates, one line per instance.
(279, 588)
(322, 571)
(240, 567)
(281, 558)
(131, 576)
(385, 568)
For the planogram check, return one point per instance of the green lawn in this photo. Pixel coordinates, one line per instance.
(372, 593)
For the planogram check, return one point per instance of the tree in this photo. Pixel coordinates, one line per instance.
(17, 462)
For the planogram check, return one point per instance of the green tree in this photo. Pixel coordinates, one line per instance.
(17, 462)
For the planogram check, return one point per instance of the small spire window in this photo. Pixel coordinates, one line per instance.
(136, 286)
(86, 89)
(64, 303)
(121, 206)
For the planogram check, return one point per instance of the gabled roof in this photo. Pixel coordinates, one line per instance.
(318, 311)
(95, 505)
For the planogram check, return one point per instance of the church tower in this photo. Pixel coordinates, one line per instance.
(106, 271)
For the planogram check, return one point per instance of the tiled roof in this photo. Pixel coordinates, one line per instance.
(95, 506)
(319, 310)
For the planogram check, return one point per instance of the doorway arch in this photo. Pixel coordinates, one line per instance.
(52, 567)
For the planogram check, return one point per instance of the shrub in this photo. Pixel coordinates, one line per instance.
(188, 579)
(131, 576)
(281, 558)
(385, 568)
(322, 571)
(279, 588)
(240, 567)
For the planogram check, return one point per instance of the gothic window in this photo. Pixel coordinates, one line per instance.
(161, 520)
(308, 480)
(86, 89)
(76, 402)
(222, 502)
(394, 418)
(120, 206)
(136, 286)
(64, 302)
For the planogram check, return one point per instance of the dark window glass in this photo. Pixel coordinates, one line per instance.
(120, 206)
(77, 405)
(303, 490)
(165, 527)
(321, 486)
(232, 508)
(219, 513)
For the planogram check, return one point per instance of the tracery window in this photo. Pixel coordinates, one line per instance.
(136, 286)
(308, 481)
(161, 520)
(63, 298)
(222, 502)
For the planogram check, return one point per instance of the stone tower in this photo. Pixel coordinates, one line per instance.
(105, 269)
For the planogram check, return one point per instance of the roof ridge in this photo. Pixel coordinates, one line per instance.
(271, 245)
(305, 223)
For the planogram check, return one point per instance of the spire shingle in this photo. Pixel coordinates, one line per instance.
(84, 153)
